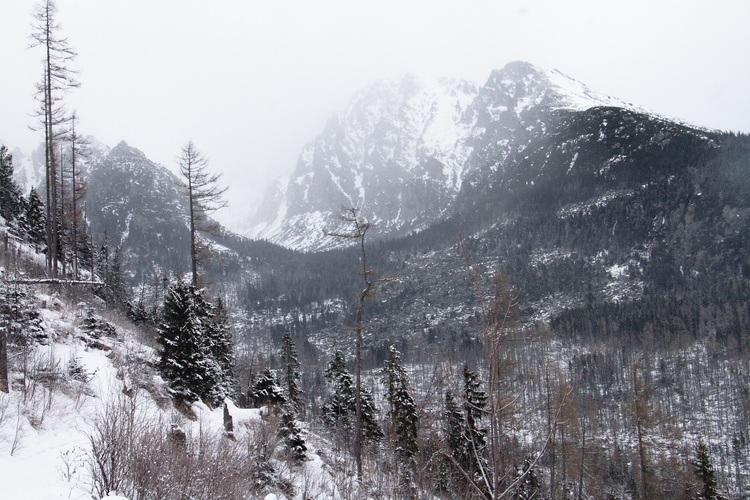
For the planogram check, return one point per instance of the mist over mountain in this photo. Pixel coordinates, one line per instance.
(615, 239)
(402, 151)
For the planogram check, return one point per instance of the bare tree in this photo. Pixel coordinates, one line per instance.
(78, 148)
(495, 478)
(204, 197)
(57, 79)
(359, 227)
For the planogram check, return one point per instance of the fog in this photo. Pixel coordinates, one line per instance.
(251, 82)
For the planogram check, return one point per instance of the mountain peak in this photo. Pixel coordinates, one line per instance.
(403, 150)
(525, 85)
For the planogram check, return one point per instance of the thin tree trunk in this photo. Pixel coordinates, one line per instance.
(4, 386)
(75, 212)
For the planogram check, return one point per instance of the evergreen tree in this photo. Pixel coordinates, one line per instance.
(459, 449)
(185, 359)
(339, 410)
(266, 390)
(292, 434)
(529, 485)
(475, 402)
(116, 290)
(704, 470)
(219, 337)
(404, 420)
(291, 373)
(471, 453)
(33, 221)
(454, 427)
(10, 194)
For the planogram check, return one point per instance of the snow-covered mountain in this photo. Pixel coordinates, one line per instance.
(401, 151)
(139, 206)
(28, 167)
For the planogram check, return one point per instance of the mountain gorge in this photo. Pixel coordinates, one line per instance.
(590, 206)
(615, 238)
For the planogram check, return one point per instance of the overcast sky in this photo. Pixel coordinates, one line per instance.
(251, 82)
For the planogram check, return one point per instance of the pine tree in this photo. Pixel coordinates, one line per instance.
(339, 410)
(704, 470)
(266, 390)
(33, 221)
(291, 373)
(404, 420)
(10, 194)
(185, 359)
(219, 338)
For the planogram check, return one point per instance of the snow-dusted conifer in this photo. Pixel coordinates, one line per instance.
(291, 373)
(185, 360)
(404, 420)
(529, 485)
(219, 337)
(475, 403)
(704, 471)
(10, 194)
(292, 434)
(266, 390)
(339, 410)
(32, 221)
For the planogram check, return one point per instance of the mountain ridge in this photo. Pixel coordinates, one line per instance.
(401, 151)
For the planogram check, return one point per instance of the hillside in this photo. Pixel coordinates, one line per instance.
(89, 416)
(572, 265)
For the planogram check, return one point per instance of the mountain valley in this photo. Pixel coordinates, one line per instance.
(592, 252)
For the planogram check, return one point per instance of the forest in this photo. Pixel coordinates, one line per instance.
(562, 333)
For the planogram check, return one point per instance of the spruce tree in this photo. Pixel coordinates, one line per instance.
(339, 411)
(33, 220)
(529, 485)
(185, 359)
(404, 420)
(219, 338)
(451, 479)
(704, 471)
(292, 434)
(266, 390)
(475, 438)
(10, 194)
(291, 373)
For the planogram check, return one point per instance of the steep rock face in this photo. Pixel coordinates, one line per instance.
(402, 151)
(397, 152)
(139, 205)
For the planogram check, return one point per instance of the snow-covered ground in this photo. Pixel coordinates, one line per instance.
(48, 419)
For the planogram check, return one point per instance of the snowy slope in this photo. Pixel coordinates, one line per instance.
(86, 367)
(46, 429)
